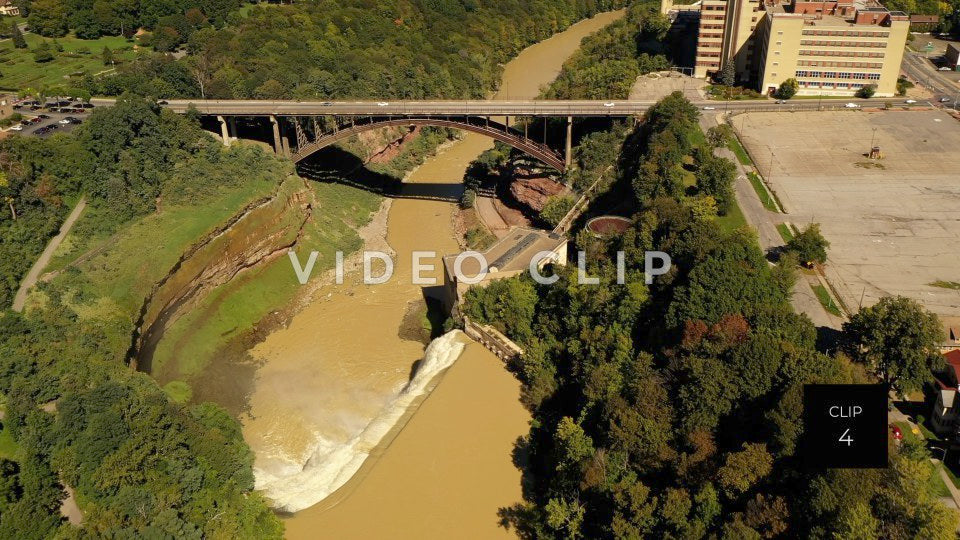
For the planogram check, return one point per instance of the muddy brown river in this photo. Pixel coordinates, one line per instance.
(345, 436)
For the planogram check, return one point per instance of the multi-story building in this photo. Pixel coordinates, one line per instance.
(726, 27)
(829, 47)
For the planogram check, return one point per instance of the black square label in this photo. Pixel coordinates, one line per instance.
(845, 426)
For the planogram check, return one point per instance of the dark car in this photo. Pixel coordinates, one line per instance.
(43, 116)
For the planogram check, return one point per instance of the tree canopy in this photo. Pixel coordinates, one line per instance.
(897, 339)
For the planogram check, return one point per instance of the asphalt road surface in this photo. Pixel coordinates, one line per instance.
(473, 108)
(919, 68)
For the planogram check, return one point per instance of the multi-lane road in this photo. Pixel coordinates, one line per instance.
(919, 68)
(553, 108)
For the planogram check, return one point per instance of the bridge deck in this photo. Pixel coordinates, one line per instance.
(408, 108)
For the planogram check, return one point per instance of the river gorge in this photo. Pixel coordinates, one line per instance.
(349, 417)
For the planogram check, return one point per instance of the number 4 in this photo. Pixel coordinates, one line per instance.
(846, 438)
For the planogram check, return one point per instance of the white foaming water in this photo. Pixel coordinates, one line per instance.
(294, 487)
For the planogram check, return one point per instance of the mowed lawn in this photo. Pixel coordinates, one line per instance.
(18, 69)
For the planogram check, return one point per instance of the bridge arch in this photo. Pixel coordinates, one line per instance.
(480, 125)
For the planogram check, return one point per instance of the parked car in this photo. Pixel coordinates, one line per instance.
(897, 433)
(852, 106)
(382, 104)
(16, 127)
(780, 101)
(64, 121)
(43, 116)
(709, 108)
(944, 99)
(945, 68)
(609, 104)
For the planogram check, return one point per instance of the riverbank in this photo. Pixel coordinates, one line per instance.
(450, 467)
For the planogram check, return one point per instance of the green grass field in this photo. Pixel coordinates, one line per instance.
(735, 147)
(762, 192)
(18, 69)
(785, 232)
(234, 308)
(733, 220)
(826, 300)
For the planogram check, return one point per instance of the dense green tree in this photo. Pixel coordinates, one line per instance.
(897, 339)
(19, 42)
(715, 177)
(555, 209)
(809, 245)
(728, 74)
(867, 91)
(787, 89)
(107, 56)
(49, 18)
(719, 135)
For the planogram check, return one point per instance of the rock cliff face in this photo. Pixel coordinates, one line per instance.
(264, 230)
(534, 192)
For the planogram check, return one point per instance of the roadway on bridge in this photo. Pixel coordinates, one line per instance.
(544, 108)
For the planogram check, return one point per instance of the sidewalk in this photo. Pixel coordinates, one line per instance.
(765, 223)
(31, 278)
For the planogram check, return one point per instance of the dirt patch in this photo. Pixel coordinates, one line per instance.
(394, 148)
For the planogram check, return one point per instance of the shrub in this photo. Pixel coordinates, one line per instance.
(867, 91)
(468, 199)
(810, 245)
(787, 89)
(556, 208)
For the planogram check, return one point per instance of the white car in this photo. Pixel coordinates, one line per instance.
(382, 104)
(910, 101)
(709, 108)
(944, 68)
(852, 106)
(16, 127)
(64, 121)
(609, 104)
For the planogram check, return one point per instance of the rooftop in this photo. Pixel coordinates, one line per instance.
(830, 13)
(511, 253)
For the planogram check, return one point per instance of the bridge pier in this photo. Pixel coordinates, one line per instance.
(569, 149)
(224, 130)
(278, 143)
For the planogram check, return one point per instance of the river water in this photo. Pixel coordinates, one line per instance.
(338, 382)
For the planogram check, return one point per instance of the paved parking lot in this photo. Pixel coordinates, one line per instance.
(894, 223)
(54, 119)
